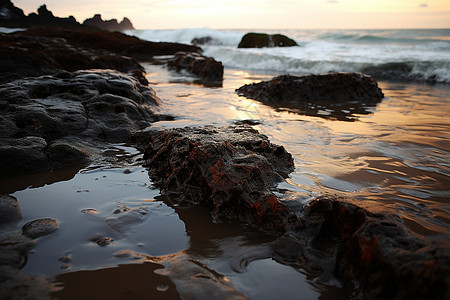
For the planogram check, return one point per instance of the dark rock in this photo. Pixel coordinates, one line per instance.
(15, 285)
(9, 209)
(231, 169)
(12, 16)
(44, 118)
(114, 42)
(40, 227)
(25, 56)
(206, 40)
(22, 155)
(260, 40)
(207, 69)
(332, 95)
(111, 25)
(105, 241)
(14, 249)
(375, 252)
(234, 170)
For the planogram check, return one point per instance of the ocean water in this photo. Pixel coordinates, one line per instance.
(422, 54)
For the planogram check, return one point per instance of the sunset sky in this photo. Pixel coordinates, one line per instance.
(227, 14)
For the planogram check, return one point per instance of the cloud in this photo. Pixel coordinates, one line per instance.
(423, 5)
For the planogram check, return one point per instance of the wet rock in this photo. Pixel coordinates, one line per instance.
(22, 155)
(373, 252)
(234, 170)
(9, 209)
(54, 121)
(104, 241)
(39, 227)
(332, 95)
(207, 69)
(113, 42)
(111, 25)
(33, 55)
(14, 249)
(14, 284)
(231, 169)
(260, 40)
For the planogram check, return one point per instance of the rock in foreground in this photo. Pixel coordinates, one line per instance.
(52, 121)
(234, 170)
(260, 40)
(342, 94)
(231, 169)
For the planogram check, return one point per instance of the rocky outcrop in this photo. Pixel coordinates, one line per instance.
(207, 69)
(234, 170)
(332, 95)
(260, 40)
(11, 16)
(113, 42)
(111, 25)
(372, 252)
(9, 209)
(53, 121)
(28, 55)
(231, 169)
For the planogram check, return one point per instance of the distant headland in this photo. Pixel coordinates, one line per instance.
(12, 16)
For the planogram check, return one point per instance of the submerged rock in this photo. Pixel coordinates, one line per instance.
(231, 169)
(53, 121)
(40, 227)
(207, 69)
(260, 40)
(9, 209)
(332, 95)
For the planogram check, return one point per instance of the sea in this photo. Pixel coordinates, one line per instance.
(419, 54)
(392, 157)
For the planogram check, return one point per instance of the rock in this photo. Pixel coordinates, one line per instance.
(15, 284)
(9, 209)
(231, 169)
(260, 40)
(23, 155)
(11, 16)
(26, 55)
(111, 25)
(332, 95)
(113, 42)
(104, 241)
(14, 249)
(54, 121)
(39, 227)
(207, 69)
(206, 40)
(124, 216)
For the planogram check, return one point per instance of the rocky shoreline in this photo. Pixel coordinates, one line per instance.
(57, 111)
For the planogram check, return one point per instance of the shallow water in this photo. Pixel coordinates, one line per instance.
(395, 158)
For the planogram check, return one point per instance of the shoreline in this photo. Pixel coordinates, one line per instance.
(292, 234)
